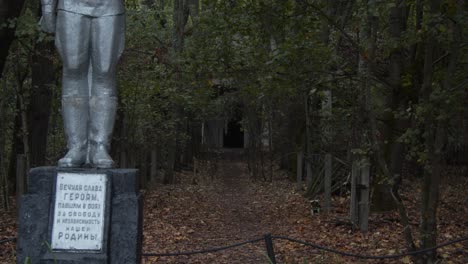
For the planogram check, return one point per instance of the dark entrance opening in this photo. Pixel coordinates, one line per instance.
(234, 138)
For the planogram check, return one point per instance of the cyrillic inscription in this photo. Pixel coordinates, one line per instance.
(79, 211)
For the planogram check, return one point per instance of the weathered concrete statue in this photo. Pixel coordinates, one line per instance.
(90, 40)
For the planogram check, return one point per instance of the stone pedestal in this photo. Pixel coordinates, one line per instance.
(96, 218)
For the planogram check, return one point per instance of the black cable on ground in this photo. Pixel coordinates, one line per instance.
(417, 252)
(210, 250)
(13, 239)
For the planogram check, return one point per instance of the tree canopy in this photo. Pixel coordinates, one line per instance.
(361, 80)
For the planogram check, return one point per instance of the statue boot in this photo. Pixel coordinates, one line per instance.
(102, 116)
(75, 111)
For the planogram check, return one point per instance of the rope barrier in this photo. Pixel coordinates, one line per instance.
(13, 239)
(210, 250)
(412, 253)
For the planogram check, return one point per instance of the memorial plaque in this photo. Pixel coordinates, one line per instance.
(78, 222)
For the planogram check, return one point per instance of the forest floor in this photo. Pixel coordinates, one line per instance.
(227, 207)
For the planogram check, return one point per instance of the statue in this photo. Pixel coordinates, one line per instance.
(90, 40)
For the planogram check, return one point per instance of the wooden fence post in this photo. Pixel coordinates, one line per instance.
(327, 107)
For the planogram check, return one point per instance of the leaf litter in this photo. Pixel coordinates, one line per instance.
(230, 208)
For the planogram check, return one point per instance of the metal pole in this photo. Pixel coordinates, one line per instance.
(270, 250)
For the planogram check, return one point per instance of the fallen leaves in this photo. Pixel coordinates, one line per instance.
(232, 209)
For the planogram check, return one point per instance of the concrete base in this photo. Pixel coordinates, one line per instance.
(124, 229)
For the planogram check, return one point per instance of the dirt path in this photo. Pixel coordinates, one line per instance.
(240, 211)
(224, 212)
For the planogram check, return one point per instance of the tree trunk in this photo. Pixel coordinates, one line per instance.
(354, 205)
(328, 160)
(20, 140)
(25, 129)
(430, 190)
(364, 195)
(368, 35)
(143, 165)
(4, 183)
(435, 132)
(182, 10)
(180, 17)
(43, 80)
(169, 177)
(21, 179)
(154, 166)
(16, 147)
(327, 183)
(394, 151)
(299, 170)
(330, 9)
(308, 139)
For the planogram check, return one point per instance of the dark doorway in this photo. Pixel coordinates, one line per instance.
(234, 138)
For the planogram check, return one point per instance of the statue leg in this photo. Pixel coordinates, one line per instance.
(107, 41)
(72, 41)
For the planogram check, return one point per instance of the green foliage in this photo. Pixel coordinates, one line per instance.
(274, 60)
